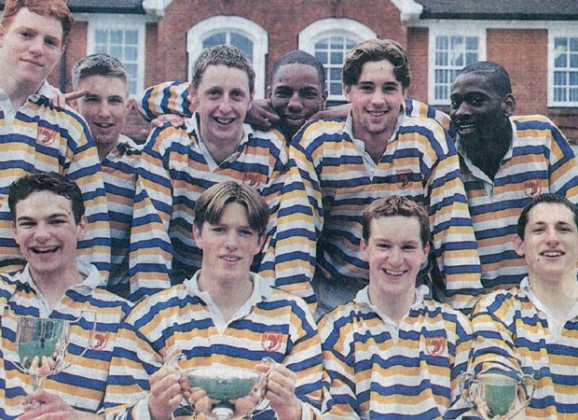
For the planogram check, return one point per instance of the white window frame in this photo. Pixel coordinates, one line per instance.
(119, 22)
(247, 28)
(325, 28)
(567, 31)
(451, 29)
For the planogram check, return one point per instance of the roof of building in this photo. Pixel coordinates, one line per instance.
(100, 6)
(500, 9)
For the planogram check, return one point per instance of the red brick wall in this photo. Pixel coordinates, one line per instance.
(417, 51)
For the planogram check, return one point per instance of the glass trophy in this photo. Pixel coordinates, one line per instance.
(497, 392)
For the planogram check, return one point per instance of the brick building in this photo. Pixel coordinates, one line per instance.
(537, 41)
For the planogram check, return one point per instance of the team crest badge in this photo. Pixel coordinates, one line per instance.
(251, 178)
(403, 179)
(99, 340)
(271, 341)
(532, 188)
(45, 136)
(434, 346)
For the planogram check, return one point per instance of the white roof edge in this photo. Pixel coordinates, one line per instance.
(156, 7)
(410, 9)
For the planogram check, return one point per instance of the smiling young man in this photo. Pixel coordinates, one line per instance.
(534, 327)
(180, 163)
(339, 166)
(36, 136)
(105, 107)
(391, 351)
(48, 223)
(224, 315)
(506, 160)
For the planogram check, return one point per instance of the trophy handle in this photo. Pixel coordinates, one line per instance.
(528, 385)
(66, 365)
(465, 383)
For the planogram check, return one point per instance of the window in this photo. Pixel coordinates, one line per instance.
(232, 30)
(125, 41)
(329, 40)
(451, 51)
(563, 70)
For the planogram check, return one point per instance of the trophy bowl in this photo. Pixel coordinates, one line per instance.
(498, 392)
(223, 392)
(41, 345)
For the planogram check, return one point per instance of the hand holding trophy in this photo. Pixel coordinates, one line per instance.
(498, 392)
(42, 347)
(223, 393)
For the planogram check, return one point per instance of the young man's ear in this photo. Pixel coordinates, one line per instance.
(518, 245)
(82, 226)
(509, 105)
(363, 249)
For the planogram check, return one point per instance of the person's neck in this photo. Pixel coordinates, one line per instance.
(105, 149)
(53, 287)
(18, 93)
(487, 154)
(395, 307)
(559, 297)
(228, 294)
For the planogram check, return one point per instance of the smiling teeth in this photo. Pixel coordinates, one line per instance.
(44, 251)
(225, 121)
(394, 273)
(377, 113)
(552, 254)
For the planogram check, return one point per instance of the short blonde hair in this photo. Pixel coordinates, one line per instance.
(211, 205)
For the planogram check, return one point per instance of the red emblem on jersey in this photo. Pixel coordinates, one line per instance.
(99, 340)
(434, 346)
(532, 188)
(271, 341)
(45, 136)
(251, 178)
(403, 179)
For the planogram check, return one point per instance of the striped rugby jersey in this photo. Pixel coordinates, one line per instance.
(39, 137)
(119, 170)
(332, 180)
(539, 160)
(380, 370)
(175, 169)
(515, 328)
(272, 323)
(82, 384)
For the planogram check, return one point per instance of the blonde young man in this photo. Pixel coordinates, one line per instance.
(179, 163)
(35, 135)
(224, 316)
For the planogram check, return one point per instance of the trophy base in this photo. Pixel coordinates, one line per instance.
(223, 411)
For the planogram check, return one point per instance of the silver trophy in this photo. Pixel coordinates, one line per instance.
(222, 392)
(498, 392)
(42, 345)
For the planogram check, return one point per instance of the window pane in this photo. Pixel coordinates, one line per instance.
(122, 45)
(131, 37)
(565, 69)
(243, 43)
(216, 39)
(116, 37)
(451, 55)
(331, 53)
